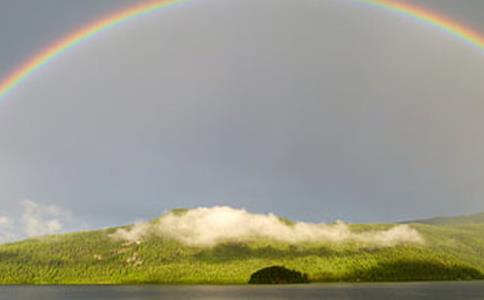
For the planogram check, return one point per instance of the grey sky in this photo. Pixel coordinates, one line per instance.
(315, 110)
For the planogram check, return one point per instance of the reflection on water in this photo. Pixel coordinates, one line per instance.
(392, 291)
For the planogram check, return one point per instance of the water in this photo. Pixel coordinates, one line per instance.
(388, 291)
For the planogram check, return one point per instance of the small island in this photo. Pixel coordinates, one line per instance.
(278, 275)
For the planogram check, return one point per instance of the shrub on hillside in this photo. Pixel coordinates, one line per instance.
(415, 270)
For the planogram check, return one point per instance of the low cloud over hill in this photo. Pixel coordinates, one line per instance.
(209, 226)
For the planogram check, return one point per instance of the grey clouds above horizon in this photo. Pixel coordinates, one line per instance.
(315, 110)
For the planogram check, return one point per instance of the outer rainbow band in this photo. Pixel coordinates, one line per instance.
(451, 27)
(461, 32)
(49, 54)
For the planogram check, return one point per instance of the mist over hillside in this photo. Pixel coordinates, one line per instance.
(210, 226)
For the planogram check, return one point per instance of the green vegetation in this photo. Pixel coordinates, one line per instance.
(461, 220)
(278, 275)
(451, 252)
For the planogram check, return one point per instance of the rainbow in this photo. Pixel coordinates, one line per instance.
(459, 31)
(33, 64)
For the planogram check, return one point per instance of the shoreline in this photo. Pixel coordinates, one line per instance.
(333, 283)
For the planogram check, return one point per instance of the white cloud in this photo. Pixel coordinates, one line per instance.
(42, 219)
(34, 220)
(209, 226)
(4, 221)
(6, 233)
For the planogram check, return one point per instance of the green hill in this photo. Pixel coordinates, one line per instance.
(450, 252)
(460, 220)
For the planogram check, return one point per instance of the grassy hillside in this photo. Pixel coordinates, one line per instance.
(460, 220)
(451, 252)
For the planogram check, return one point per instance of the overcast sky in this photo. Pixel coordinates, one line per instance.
(313, 109)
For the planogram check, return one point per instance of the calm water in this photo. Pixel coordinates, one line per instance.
(438, 291)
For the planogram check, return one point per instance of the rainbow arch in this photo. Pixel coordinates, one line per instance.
(14, 79)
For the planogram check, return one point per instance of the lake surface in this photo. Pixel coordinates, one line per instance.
(384, 291)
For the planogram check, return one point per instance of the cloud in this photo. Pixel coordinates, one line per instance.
(6, 233)
(42, 219)
(209, 226)
(34, 220)
(4, 221)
